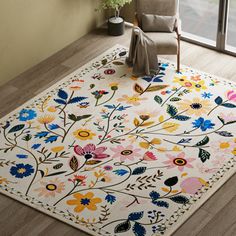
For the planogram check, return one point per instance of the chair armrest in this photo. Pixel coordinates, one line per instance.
(136, 31)
(135, 20)
(178, 27)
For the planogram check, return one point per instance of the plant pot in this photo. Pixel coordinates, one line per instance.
(116, 26)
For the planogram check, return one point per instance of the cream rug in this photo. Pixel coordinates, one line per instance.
(112, 154)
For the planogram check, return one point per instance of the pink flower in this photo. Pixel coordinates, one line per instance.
(125, 153)
(149, 156)
(90, 151)
(180, 161)
(231, 95)
(192, 185)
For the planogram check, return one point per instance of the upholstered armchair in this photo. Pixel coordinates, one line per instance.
(168, 43)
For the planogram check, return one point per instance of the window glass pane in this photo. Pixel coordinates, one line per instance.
(200, 19)
(231, 33)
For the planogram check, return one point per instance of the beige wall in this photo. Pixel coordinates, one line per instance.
(32, 30)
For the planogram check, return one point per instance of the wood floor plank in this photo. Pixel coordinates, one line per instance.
(19, 220)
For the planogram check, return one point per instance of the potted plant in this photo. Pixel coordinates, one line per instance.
(115, 23)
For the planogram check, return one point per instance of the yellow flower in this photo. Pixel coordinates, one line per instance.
(83, 134)
(46, 119)
(200, 85)
(84, 201)
(146, 145)
(133, 100)
(57, 149)
(52, 109)
(196, 106)
(3, 180)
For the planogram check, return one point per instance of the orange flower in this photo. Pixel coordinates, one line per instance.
(84, 201)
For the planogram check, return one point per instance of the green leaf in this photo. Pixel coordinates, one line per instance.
(118, 63)
(218, 100)
(139, 170)
(138, 88)
(74, 164)
(104, 62)
(16, 128)
(179, 199)
(228, 105)
(181, 117)
(57, 166)
(175, 99)
(171, 110)
(56, 173)
(78, 118)
(204, 141)
(122, 227)
(158, 99)
(156, 88)
(171, 181)
(203, 155)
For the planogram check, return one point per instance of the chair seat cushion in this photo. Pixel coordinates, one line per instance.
(166, 42)
(156, 23)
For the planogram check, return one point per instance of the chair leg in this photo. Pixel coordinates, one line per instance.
(178, 56)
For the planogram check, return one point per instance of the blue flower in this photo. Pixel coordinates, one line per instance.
(53, 126)
(27, 114)
(203, 124)
(21, 170)
(22, 156)
(110, 198)
(36, 146)
(206, 95)
(120, 172)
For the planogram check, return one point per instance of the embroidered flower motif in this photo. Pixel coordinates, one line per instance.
(146, 144)
(79, 178)
(84, 134)
(50, 188)
(196, 78)
(46, 119)
(146, 114)
(196, 106)
(3, 180)
(90, 151)
(109, 72)
(231, 95)
(126, 153)
(206, 95)
(134, 100)
(27, 114)
(149, 156)
(86, 201)
(203, 124)
(200, 85)
(179, 161)
(99, 93)
(192, 185)
(57, 149)
(21, 170)
(224, 147)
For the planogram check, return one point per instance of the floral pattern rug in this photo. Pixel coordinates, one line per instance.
(113, 154)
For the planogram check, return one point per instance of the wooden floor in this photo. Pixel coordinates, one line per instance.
(216, 217)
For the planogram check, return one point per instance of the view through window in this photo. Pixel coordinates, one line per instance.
(231, 34)
(200, 21)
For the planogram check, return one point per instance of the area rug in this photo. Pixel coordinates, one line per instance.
(113, 154)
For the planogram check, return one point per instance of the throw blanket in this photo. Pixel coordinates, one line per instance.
(142, 54)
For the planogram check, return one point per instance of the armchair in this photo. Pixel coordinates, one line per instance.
(167, 43)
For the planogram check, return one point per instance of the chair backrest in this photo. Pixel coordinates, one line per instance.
(158, 7)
